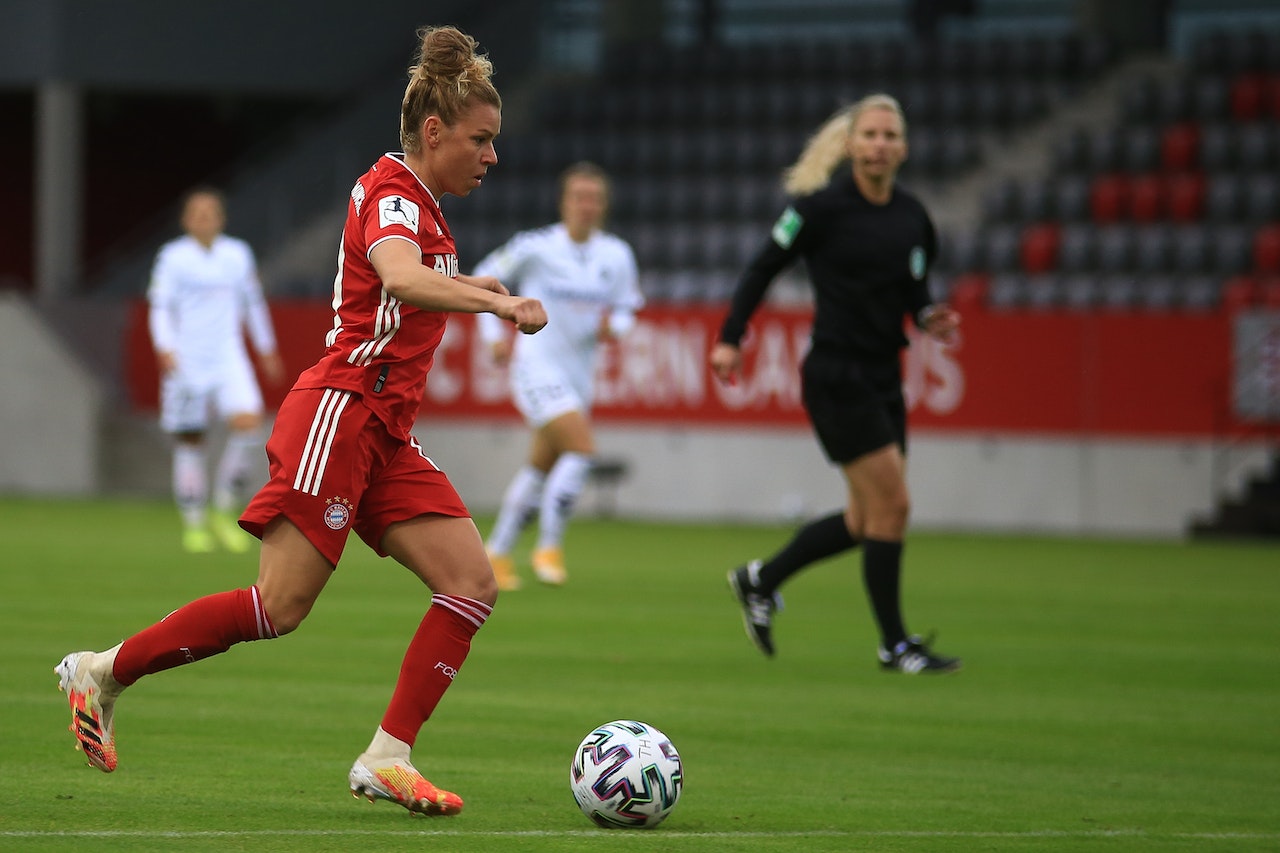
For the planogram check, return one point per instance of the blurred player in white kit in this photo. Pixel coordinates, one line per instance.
(588, 282)
(204, 293)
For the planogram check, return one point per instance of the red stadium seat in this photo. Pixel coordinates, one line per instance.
(1184, 197)
(969, 291)
(1273, 96)
(1269, 292)
(1147, 198)
(1039, 248)
(1179, 147)
(1239, 292)
(1266, 250)
(1109, 198)
(1248, 93)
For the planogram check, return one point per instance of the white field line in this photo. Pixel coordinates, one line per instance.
(588, 833)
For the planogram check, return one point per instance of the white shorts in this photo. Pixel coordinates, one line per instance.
(186, 402)
(541, 396)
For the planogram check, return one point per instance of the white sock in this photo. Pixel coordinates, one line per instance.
(384, 746)
(232, 479)
(564, 484)
(519, 506)
(190, 483)
(104, 663)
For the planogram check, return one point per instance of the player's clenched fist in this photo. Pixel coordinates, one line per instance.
(528, 314)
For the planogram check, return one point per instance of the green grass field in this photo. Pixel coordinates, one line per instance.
(1117, 696)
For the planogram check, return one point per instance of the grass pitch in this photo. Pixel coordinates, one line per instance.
(1116, 696)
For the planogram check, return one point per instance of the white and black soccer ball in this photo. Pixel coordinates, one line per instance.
(626, 775)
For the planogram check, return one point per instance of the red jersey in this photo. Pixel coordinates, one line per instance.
(379, 347)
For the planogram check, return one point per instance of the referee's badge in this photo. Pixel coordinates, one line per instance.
(917, 262)
(787, 227)
(337, 513)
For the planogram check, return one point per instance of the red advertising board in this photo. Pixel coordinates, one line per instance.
(1135, 374)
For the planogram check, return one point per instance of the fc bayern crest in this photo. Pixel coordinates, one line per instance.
(337, 512)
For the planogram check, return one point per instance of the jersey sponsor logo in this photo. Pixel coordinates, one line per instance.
(446, 265)
(337, 512)
(398, 210)
(917, 263)
(357, 196)
(787, 227)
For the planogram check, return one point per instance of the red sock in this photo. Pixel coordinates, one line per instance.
(207, 626)
(435, 655)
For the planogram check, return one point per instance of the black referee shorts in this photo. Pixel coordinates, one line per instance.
(854, 407)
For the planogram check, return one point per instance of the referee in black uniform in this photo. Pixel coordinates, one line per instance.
(868, 246)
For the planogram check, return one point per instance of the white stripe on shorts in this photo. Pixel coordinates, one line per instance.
(315, 455)
(413, 442)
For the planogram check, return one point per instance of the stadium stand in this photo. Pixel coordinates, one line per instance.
(696, 132)
(1180, 193)
(696, 136)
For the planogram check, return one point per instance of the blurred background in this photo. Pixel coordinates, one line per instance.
(1105, 178)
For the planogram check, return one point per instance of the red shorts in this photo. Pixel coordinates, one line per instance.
(335, 468)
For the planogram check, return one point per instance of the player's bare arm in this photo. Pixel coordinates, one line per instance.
(399, 266)
(500, 352)
(484, 282)
(272, 366)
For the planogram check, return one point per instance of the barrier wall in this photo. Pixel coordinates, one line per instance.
(1037, 421)
(50, 417)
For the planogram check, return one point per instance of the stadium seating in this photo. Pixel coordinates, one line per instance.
(696, 137)
(1174, 206)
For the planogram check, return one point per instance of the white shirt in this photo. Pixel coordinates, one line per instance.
(201, 300)
(579, 284)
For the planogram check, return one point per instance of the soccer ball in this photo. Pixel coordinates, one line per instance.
(626, 774)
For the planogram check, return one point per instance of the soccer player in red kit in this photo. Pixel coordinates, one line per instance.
(341, 454)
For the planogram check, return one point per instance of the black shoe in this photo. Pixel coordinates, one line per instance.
(757, 608)
(913, 656)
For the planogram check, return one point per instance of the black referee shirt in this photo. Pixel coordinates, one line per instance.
(868, 265)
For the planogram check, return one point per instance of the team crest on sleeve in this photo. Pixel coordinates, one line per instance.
(398, 210)
(337, 513)
(917, 262)
(787, 227)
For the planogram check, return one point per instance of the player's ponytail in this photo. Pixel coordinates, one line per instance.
(827, 148)
(447, 75)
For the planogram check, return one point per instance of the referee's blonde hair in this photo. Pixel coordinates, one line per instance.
(827, 148)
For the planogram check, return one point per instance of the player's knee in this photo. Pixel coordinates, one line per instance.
(286, 613)
(890, 512)
(486, 589)
(480, 585)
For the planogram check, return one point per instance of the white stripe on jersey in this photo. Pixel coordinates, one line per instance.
(337, 292)
(315, 454)
(475, 612)
(386, 324)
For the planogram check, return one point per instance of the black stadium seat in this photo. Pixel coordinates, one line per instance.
(1076, 249)
(1071, 198)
